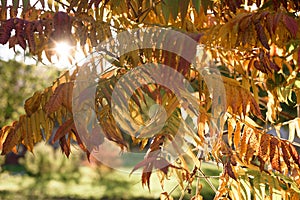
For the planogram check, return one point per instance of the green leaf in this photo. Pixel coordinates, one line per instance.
(3, 3)
(165, 11)
(16, 4)
(173, 6)
(196, 4)
(25, 5)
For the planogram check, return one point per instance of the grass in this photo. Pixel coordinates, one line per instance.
(90, 183)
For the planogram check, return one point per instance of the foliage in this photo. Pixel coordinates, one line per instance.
(86, 183)
(47, 162)
(19, 81)
(258, 53)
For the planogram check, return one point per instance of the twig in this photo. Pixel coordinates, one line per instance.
(208, 181)
(207, 176)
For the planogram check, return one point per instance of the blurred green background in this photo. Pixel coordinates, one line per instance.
(48, 174)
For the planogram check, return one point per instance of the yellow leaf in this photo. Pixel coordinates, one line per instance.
(231, 125)
(237, 135)
(12, 139)
(33, 103)
(28, 135)
(244, 141)
(292, 131)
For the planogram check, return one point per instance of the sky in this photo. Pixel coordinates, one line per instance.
(63, 63)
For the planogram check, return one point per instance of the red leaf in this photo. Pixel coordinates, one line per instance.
(229, 171)
(29, 32)
(78, 139)
(276, 19)
(20, 32)
(291, 24)
(61, 96)
(286, 154)
(274, 154)
(65, 128)
(146, 175)
(5, 30)
(258, 66)
(65, 146)
(143, 163)
(274, 66)
(270, 23)
(292, 150)
(261, 34)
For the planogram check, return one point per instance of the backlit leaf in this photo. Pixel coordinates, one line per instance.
(64, 129)
(33, 103)
(275, 154)
(291, 24)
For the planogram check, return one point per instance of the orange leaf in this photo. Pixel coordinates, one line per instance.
(286, 154)
(237, 135)
(275, 154)
(12, 139)
(65, 145)
(264, 148)
(33, 103)
(252, 147)
(61, 96)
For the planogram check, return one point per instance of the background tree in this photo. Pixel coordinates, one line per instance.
(254, 43)
(20, 81)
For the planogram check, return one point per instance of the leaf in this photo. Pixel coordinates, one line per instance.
(291, 24)
(28, 134)
(252, 147)
(229, 171)
(15, 4)
(292, 130)
(5, 30)
(65, 128)
(33, 103)
(286, 155)
(183, 6)
(276, 20)
(65, 145)
(197, 4)
(244, 141)
(292, 150)
(12, 139)
(261, 34)
(264, 148)
(237, 97)
(275, 154)
(62, 96)
(20, 32)
(231, 125)
(78, 139)
(165, 11)
(237, 135)
(173, 6)
(26, 5)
